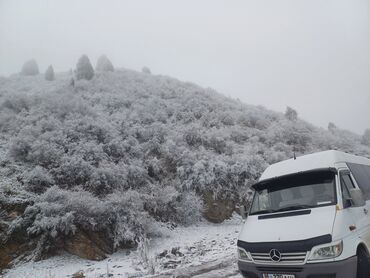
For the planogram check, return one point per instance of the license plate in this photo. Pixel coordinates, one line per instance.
(278, 276)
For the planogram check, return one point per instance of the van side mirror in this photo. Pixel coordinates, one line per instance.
(357, 197)
(243, 211)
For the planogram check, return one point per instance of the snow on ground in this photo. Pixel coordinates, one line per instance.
(197, 246)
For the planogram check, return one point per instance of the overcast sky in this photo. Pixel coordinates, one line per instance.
(313, 55)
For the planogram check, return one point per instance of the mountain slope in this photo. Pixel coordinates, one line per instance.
(108, 160)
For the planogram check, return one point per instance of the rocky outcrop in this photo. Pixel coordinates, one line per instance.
(217, 208)
(88, 245)
(18, 244)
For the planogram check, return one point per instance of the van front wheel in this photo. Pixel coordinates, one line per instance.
(363, 264)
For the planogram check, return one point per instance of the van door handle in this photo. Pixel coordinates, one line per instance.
(366, 211)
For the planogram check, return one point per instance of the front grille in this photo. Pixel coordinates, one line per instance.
(280, 269)
(286, 258)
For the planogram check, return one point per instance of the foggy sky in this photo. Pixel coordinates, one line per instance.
(313, 55)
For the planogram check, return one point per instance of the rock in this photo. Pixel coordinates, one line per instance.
(101, 241)
(10, 251)
(163, 254)
(17, 244)
(217, 209)
(171, 264)
(79, 274)
(81, 245)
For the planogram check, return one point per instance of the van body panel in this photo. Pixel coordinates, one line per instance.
(297, 227)
(310, 162)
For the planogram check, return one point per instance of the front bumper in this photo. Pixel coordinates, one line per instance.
(341, 269)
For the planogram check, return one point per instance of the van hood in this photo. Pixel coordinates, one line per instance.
(291, 227)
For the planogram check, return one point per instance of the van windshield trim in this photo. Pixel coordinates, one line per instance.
(282, 183)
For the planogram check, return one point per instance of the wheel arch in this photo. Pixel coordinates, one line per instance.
(363, 246)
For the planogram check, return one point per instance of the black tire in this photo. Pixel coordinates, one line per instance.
(363, 264)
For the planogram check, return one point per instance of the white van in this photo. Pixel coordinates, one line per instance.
(309, 218)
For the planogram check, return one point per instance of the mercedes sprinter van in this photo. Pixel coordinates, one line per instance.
(309, 218)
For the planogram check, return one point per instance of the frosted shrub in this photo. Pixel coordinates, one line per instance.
(129, 217)
(218, 144)
(189, 208)
(16, 103)
(146, 259)
(143, 250)
(20, 148)
(227, 119)
(59, 212)
(105, 179)
(73, 171)
(193, 137)
(161, 203)
(84, 69)
(30, 68)
(45, 153)
(38, 180)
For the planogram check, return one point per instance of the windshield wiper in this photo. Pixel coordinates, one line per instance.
(295, 207)
(264, 211)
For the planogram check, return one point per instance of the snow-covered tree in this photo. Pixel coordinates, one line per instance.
(332, 127)
(30, 68)
(49, 74)
(84, 69)
(366, 137)
(291, 114)
(104, 64)
(146, 70)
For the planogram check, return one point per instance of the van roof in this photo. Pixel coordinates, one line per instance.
(309, 162)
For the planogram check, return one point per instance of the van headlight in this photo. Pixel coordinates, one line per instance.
(243, 255)
(327, 252)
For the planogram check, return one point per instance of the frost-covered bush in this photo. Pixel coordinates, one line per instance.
(38, 180)
(73, 170)
(189, 208)
(104, 64)
(20, 147)
(59, 213)
(30, 68)
(84, 69)
(49, 73)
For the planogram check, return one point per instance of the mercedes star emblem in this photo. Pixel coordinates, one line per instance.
(275, 255)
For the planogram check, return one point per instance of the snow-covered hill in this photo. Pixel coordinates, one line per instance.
(98, 166)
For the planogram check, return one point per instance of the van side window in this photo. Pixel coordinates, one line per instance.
(346, 184)
(361, 174)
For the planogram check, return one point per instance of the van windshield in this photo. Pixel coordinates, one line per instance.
(300, 191)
